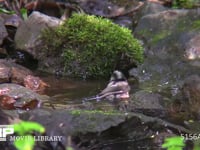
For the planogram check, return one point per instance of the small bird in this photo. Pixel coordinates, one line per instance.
(117, 88)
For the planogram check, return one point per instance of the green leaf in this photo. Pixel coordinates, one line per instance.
(197, 144)
(25, 143)
(3, 10)
(24, 13)
(24, 127)
(174, 143)
(69, 148)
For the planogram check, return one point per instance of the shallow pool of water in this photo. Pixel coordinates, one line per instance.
(63, 89)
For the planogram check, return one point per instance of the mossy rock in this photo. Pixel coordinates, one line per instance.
(92, 46)
(185, 3)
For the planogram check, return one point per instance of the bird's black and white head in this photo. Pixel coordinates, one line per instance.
(117, 76)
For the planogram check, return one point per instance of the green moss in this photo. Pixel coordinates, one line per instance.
(196, 24)
(182, 24)
(159, 36)
(154, 38)
(92, 46)
(78, 112)
(187, 24)
(144, 33)
(185, 3)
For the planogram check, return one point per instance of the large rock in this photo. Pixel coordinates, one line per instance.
(29, 31)
(147, 100)
(13, 96)
(152, 8)
(11, 19)
(171, 40)
(109, 8)
(123, 12)
(169, 32)
(22, 94)
(14, 73)
(192, 48)
(191, 93)
(4, 73)
(94, 126)
(7, 20)
(11, 72)
(158, 31)
(3, 31)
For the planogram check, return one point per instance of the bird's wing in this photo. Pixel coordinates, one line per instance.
(119, 86)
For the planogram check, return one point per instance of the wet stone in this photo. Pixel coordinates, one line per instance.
(191, 93)
(5, 73)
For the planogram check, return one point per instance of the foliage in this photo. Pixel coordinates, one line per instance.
(25, 129)
(23, 12)
(177, 143)
(14, 7)
(5, 11)
(174, 143)
(197, 144)
(25, 143)
(69, 148)
(185, 3)
(91, 46)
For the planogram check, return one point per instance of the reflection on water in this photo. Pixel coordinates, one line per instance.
(63, 89)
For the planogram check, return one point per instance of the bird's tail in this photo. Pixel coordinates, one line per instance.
(99, 97)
